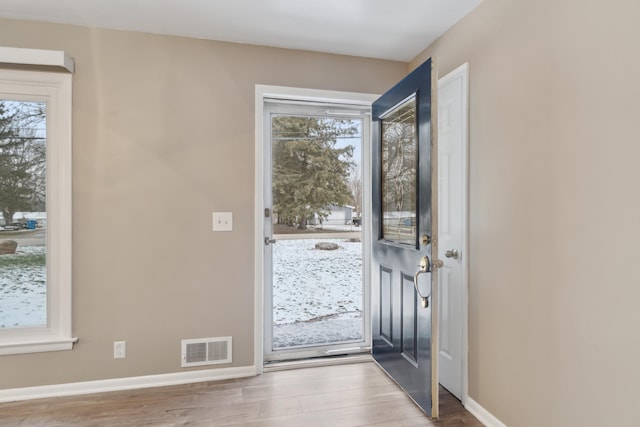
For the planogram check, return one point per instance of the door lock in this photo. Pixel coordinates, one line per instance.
(268, 241)
(437, 263)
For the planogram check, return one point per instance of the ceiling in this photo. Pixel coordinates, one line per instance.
(386, 29)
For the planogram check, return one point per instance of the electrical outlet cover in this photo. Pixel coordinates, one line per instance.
(119, 349)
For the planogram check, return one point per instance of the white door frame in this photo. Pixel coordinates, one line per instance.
(462, 73)
(292, 94)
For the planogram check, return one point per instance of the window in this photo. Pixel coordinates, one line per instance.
(35, 201)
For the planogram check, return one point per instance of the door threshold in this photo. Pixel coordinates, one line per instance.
(316, 362)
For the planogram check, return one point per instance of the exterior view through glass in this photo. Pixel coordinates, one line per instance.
(317, 295)
(399, 173)
(23, 282)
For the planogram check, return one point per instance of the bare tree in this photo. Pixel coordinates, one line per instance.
(355, 185)
(22, 157)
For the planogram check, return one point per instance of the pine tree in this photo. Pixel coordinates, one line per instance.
(309, 172)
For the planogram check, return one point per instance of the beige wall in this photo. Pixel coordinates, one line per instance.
(554, 208)
(163, 135)
(164, 125)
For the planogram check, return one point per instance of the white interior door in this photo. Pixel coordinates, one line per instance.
(452, 117)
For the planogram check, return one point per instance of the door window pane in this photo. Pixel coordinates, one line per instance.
(399, 173)
(23, 284)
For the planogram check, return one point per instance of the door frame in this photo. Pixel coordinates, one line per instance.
(266, 91)
(300, 94)
(462, 72)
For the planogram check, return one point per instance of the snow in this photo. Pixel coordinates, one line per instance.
(317, 294)
(23, 291)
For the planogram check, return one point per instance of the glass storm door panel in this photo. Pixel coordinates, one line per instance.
(314, 293)
(402, 220)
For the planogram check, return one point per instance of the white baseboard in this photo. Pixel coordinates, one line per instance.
(485, 417)
(129, 383)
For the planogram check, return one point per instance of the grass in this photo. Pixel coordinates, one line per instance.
(5, 234)
(23, 260)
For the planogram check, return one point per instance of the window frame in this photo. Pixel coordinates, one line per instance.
(55, 89)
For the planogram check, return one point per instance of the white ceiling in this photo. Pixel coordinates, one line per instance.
(387, 29)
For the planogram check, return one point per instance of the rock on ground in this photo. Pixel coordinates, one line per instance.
(8, 247)
(327, 246)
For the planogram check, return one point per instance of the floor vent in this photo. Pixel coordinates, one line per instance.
(206, 351)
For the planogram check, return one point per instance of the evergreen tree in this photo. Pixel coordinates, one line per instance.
(309, 172)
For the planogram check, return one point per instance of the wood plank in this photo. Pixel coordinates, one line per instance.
(344, 395)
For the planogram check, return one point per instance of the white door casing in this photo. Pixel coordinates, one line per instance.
(452, 233)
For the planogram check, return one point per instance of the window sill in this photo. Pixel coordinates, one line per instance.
(36, 345)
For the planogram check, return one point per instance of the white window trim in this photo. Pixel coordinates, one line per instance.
(54, 88)
(36, 57)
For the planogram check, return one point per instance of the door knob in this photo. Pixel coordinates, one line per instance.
(452, 253)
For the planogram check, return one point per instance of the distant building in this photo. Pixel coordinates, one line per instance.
(338, 215)
(40, 217)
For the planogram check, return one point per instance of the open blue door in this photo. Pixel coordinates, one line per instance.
(403, 236)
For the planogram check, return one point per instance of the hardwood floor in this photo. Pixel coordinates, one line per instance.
(344, 395)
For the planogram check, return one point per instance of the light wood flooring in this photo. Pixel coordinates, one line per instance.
(341, 396)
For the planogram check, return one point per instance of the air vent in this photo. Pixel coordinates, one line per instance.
(206, 351)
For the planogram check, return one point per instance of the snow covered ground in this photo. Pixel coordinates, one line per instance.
(317, 294)
(23, 291)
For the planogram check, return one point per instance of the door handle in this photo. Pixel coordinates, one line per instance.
(268, 241)
(452, 253)
(424, 268)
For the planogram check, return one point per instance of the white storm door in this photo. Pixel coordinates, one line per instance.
(315, 301)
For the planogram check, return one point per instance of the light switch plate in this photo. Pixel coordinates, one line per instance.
(223, 221)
